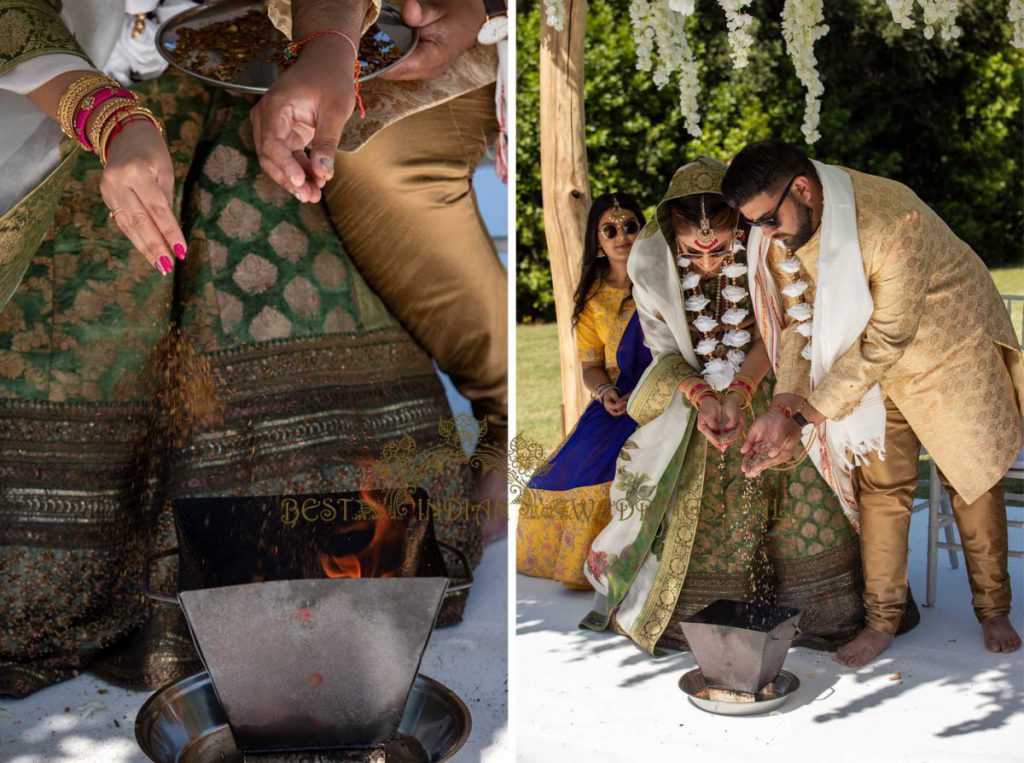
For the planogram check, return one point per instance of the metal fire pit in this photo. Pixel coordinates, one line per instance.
(740, 646)
(184, 723)
(225, 541)
(313, 664)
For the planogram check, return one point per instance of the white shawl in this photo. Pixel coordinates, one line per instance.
(842, 308)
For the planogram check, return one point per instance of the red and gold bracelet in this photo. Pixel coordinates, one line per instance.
(73, 96)
(743, 386)
(93, 101)
(119, 121)
(292, 51)
(698, 392)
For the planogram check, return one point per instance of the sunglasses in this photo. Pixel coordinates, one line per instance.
(629, 228)
(771, 220)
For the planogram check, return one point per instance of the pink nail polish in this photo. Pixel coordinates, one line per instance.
(166, 263)
(179, 251)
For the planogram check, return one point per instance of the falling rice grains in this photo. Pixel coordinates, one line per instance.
(754, 499)
(182, 389)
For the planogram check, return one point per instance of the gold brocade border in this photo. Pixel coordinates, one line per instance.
(649, 400)
(23, 226)
(30, 28)
(679, 536)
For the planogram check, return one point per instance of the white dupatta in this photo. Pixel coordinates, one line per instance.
(658, 295)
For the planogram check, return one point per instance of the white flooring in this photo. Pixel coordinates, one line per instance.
(936, 694)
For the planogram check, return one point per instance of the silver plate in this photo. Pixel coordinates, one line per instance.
(258, 75)
(183, 723)
(784, 686)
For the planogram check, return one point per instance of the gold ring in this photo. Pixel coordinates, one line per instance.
(115, 211)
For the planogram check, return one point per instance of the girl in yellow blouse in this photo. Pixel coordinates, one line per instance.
(566, 504)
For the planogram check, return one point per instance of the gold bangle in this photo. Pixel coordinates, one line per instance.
(72, 97)
(108, 109)
(744, 378)
(118, 119)
(745, 396)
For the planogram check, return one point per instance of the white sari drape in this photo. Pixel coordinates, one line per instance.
(658, 294)
(842, 307)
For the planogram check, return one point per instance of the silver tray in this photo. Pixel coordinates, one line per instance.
(258, 75)
(183, 722)
(784, 686)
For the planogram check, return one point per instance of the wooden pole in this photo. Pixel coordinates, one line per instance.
(565, 185)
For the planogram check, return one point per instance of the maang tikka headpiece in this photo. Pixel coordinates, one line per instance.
(618, 215)
(706, 239)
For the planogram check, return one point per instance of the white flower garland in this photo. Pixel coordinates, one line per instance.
(801, 27)
(740, 38)
(718, 371)
(800, 310)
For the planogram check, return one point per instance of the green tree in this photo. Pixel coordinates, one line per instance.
(943, 117)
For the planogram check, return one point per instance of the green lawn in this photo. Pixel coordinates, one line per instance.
(539, 385)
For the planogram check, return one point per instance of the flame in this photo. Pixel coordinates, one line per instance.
(382, 556)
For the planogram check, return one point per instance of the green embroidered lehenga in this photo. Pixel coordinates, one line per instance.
(98, 423)
(687, 527)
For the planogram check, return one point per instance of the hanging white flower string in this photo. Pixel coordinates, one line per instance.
(1016, 16)
(739, 23)
(941, 16)
(554, 14)
(801, 27)
(901, 10)
(659, 33)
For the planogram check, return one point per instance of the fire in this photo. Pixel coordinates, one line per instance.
(381, 557)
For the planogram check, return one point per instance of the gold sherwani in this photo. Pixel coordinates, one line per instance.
(939, 342)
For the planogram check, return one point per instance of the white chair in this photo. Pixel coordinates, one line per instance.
(940, 509)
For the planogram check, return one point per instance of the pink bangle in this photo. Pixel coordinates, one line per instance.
(90, 102)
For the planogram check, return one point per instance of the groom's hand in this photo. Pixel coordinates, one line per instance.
(773, 439)
(307, 106)
(447, 29)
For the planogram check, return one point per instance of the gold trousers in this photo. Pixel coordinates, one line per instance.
(405, 209)
(885, 494)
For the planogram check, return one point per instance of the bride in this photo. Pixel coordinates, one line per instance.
(687, 526)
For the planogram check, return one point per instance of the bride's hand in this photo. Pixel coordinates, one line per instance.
(709, 420)
(138, 187)
(732, 419)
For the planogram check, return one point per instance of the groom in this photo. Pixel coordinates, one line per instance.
(909, 343)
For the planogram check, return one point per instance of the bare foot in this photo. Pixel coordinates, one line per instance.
(1000, 635)
(863, 649)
